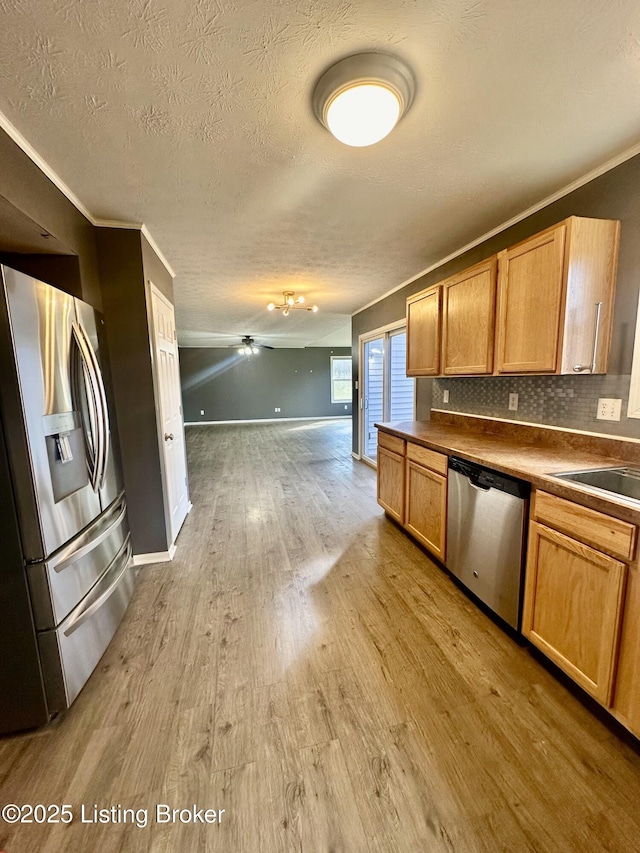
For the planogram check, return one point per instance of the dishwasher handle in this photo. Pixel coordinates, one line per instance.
(485, 479)
(477, 486)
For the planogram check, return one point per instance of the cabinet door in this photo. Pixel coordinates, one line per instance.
(468, 320)
(391, 483)
(530, 303)
(626, 700)
(423, 332)
(426, 507)
(572, 607)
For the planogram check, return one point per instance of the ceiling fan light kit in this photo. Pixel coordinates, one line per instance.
(291, 302)
(361, 98)
(250, 347)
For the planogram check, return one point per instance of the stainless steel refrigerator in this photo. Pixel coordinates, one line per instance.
(66, 573)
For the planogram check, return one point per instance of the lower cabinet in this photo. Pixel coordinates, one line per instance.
(580, 605)
(426, 507)
(391, 453)
(412, 489)
(573, 607)
(391, 483)
(626, 696)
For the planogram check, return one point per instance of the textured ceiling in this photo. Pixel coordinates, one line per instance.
(195, 118)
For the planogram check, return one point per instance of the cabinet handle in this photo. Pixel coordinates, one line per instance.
(168, 436)
(578, 368)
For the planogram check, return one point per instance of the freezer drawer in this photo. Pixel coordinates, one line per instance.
(59, 583)
(70, 653)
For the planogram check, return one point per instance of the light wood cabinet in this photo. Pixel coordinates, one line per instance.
(468, 320)
(555, 299)
(573, 607)
(575, 593)
(391, 472)
(423, 332)
(426, 501)
(626, 700)
(552, 314)
(412, 489)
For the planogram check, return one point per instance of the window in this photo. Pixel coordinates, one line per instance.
(340, 378)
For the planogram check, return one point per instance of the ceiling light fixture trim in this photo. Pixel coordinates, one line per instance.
(383, 84)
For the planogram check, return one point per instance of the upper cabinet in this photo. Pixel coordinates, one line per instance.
(469, 305)
(555, 299)
(552, 313)
(423, 332)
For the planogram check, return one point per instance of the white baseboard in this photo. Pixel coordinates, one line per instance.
(155, 557)
(270, 420)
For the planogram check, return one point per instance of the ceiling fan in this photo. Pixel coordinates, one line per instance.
(249, 346)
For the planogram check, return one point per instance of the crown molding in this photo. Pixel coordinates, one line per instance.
(13, 133)
(569, 188)
(117, 223)
(156, 249)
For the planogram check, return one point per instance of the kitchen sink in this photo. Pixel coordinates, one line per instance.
(624, 482)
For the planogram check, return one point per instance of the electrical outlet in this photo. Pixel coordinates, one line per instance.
(445, 395)
(513, 402)
(346, 407)
(276, 409)
(608, 409)
(202, 411)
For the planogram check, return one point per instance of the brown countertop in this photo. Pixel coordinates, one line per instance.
(530, 453)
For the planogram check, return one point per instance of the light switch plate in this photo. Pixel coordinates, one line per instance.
(445, 395)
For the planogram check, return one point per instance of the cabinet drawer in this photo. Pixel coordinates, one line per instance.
(588, 525)
(391, 442)
(429, 458)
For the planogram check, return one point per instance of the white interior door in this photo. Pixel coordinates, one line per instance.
(170, 410)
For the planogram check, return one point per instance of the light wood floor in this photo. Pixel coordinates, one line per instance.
(304, 666)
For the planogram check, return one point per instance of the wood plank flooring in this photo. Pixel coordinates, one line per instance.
(305, 667)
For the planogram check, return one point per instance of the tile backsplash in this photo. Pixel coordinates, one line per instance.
(564, 401)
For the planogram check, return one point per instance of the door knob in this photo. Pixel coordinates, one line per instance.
(168, 436)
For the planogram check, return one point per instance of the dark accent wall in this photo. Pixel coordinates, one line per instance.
(614, 195)
(124, 260)
(24, 186)
(229, 386)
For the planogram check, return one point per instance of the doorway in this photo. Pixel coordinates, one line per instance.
(386, 393)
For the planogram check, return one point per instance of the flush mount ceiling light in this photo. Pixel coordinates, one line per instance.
(291, 302)
(361, 98)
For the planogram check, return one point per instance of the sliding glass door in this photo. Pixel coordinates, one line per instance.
(373, 394)
(386, 394)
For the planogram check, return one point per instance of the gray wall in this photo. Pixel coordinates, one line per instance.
(125, 263)
(231, 386)
(614, 195)
(35, 197)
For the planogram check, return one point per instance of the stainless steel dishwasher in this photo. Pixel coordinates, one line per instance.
(486, 526)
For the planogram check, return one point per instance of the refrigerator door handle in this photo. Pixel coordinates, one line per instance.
(86, 370)
(76, 619)
(103, 409)
(67, 557)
